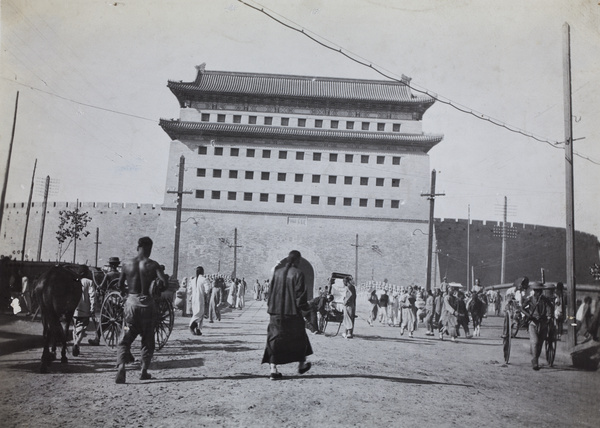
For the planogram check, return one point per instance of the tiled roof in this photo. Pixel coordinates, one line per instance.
(175, 129)
(278, 85)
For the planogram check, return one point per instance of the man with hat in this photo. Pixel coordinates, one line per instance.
(538, 310)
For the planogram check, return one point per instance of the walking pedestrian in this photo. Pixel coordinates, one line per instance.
(539, 310)
(140, 311)
(349, 308)
(383, 307)
(85, 309)
(287, 341)
(374, 301)
(196, 286)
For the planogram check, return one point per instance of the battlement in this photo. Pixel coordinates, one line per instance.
(109, 206)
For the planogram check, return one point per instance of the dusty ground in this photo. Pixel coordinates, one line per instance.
(379, 378)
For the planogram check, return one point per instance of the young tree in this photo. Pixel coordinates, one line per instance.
(72, 228)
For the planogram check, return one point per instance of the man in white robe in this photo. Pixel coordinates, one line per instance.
(197, 285)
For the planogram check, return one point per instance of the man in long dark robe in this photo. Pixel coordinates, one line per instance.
(287, 341)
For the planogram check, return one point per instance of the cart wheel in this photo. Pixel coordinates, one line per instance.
(164, 324)
(506, 340)
(111, 318)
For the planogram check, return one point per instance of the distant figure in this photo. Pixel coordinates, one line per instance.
(140, 310)
(349, 308)
(198, 301)
(216, 296)
(374, 301)
(287, 341)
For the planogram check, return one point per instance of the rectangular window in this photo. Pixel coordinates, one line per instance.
(217, 173)
(396, 127)
(200, 172)
(249, 175)
(314, 200)
(281, 176)
(395, 203)
(378, 203)
(347, 202)
(380, 160)
(381, 126)
(252, 120)
(362, 202)
(335, 124)
(364, 158)
(280, 198)
(331, 200)
(349, 124)
(365, 126)
(234, 152)
(318, 123)
(379, 182)
(316, 156)
(396, 160)
(215, 194)
(247, 196)
(265, 175)
(285, 121)
(205, 117)
(348, 180)
(395, 182)
(299, 178)
(233, 173)
(202, 150)
(200, 194)
(364, 181)
(218, 151)
(264, 197)
(282, 154)
(250, 153)
(302, 123)
(220, 118)
(332, 179)
(299, 155)
(349, 158)
(266, 154)
(316, 178)
(333, 157)
(237, 118)
(268, 120)
(297, 199)
(231, 196)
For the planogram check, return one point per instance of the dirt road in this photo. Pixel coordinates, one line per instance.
(379, 378)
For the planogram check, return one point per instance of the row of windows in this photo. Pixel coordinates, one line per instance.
(298, 178)
(283, 154)
(302, 122)
(298, 199)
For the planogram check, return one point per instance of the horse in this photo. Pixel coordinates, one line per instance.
(477, 308)
(58, 291)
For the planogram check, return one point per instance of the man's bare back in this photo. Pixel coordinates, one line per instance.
(139, 273)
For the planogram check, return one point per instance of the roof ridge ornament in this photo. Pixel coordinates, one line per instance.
(201, 69)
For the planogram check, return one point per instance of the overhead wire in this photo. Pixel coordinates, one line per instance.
(353, 57)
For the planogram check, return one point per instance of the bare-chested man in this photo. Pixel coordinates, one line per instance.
(140, 310)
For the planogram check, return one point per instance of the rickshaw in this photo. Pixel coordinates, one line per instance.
(334, 310)
(112, 319)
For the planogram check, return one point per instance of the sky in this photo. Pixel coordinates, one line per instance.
(92, 76)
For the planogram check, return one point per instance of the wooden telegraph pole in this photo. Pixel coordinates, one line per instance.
(180, 194)
(570, 210)
(5, 185)
(28, 212)
(431, 196)
(43, 222)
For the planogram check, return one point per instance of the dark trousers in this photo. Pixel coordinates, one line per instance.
(138, 321)
(538, 330)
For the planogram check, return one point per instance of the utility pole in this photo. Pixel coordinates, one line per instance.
(505, 219)
(235, 247)
(468, 247)
(28, 211)
(5, 185)
(431, 196)
(356, 260)
(44, 206)
(96, 243)
(570, 204)
(180, 194)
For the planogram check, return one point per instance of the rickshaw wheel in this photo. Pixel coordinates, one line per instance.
(164, 324)
(111, 318)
